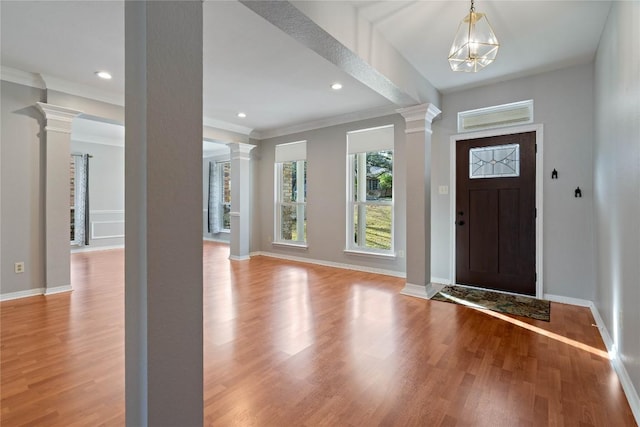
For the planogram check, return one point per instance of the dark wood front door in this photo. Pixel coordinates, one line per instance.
(495, 213)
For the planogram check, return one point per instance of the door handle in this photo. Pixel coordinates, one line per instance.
(460, 222)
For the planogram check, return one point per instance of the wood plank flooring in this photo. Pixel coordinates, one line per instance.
(291, 344)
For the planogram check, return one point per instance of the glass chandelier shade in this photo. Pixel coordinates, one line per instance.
(475, 45)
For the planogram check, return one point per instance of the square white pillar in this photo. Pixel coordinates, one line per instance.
(418, 152)
(57, 130)
(163, 213)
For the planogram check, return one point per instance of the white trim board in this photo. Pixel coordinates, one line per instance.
(538, 129)
(96, 248)
(35, 292)
(332, 264)
(58, 290)
(213, 239)
(614, 357)
(21, 294)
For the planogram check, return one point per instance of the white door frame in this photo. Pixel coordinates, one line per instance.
(538, 129)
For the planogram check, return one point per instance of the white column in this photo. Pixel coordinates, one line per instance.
(240, 200)
(57, 192)
(163, 213)
(418, 152)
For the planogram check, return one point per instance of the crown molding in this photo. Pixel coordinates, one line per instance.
(84, 91)
(22, 77)
(326, 122)
(230, 127)
(94, 139)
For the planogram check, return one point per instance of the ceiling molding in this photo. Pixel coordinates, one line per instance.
(95, 139)
(326, 122)
(230, 127)
(22, 77)
(84, 91)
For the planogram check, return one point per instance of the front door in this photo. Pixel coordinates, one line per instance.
(495, 213)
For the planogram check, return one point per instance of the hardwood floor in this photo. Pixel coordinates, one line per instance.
(298, 344)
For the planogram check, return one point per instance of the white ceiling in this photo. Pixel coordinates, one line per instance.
(252, 66)
(534, 36)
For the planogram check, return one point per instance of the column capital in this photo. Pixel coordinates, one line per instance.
(58, 118)
(419, 117)
(240, 150)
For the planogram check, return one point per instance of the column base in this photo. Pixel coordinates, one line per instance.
(421, 291)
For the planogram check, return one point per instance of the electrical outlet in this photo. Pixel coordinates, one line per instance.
(18, 267)
(443, 189)
(400, 254)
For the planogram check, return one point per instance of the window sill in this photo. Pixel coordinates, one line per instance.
(300, 246)
(390, 255)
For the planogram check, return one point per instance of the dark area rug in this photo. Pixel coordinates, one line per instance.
(503, 303)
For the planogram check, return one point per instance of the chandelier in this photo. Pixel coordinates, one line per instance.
(475, 45)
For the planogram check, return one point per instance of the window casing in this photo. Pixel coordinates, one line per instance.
(291, 194)
(370, 207)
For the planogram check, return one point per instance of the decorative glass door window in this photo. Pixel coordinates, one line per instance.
(498, 161)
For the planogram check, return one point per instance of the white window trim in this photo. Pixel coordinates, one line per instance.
(350, 246)
(301, 207)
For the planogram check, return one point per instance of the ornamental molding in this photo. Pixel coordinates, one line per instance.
(240, 150)
(422, 112)
(58, 118)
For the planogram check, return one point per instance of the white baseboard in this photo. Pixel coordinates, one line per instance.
(213, 239)
(21, 294)
(239, 258)
(95, 248)
(568, 300)
(627, 385)
(440, 281)
(332, 264)
(58, 290)
(34, 292)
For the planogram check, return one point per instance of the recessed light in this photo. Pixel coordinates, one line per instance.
(336, 86)
(242, 115)
(103, 75)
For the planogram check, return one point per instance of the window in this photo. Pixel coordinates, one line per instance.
(291, 193)
(498, 161)
(219, 203)
(79, 200)
(370, 191)
(72, 201)
(225, 196)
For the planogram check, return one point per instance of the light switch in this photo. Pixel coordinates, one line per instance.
(443, 189)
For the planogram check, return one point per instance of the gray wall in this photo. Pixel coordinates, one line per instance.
(22, 190)
(106, 192)
(326, 194)
(563, 103)
(22, 179)
(617, 182)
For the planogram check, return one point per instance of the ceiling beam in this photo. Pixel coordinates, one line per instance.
(397, 87)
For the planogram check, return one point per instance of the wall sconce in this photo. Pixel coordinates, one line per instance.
(554, 174)
(578, 192)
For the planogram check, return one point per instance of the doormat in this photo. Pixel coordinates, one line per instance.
(496, 301)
